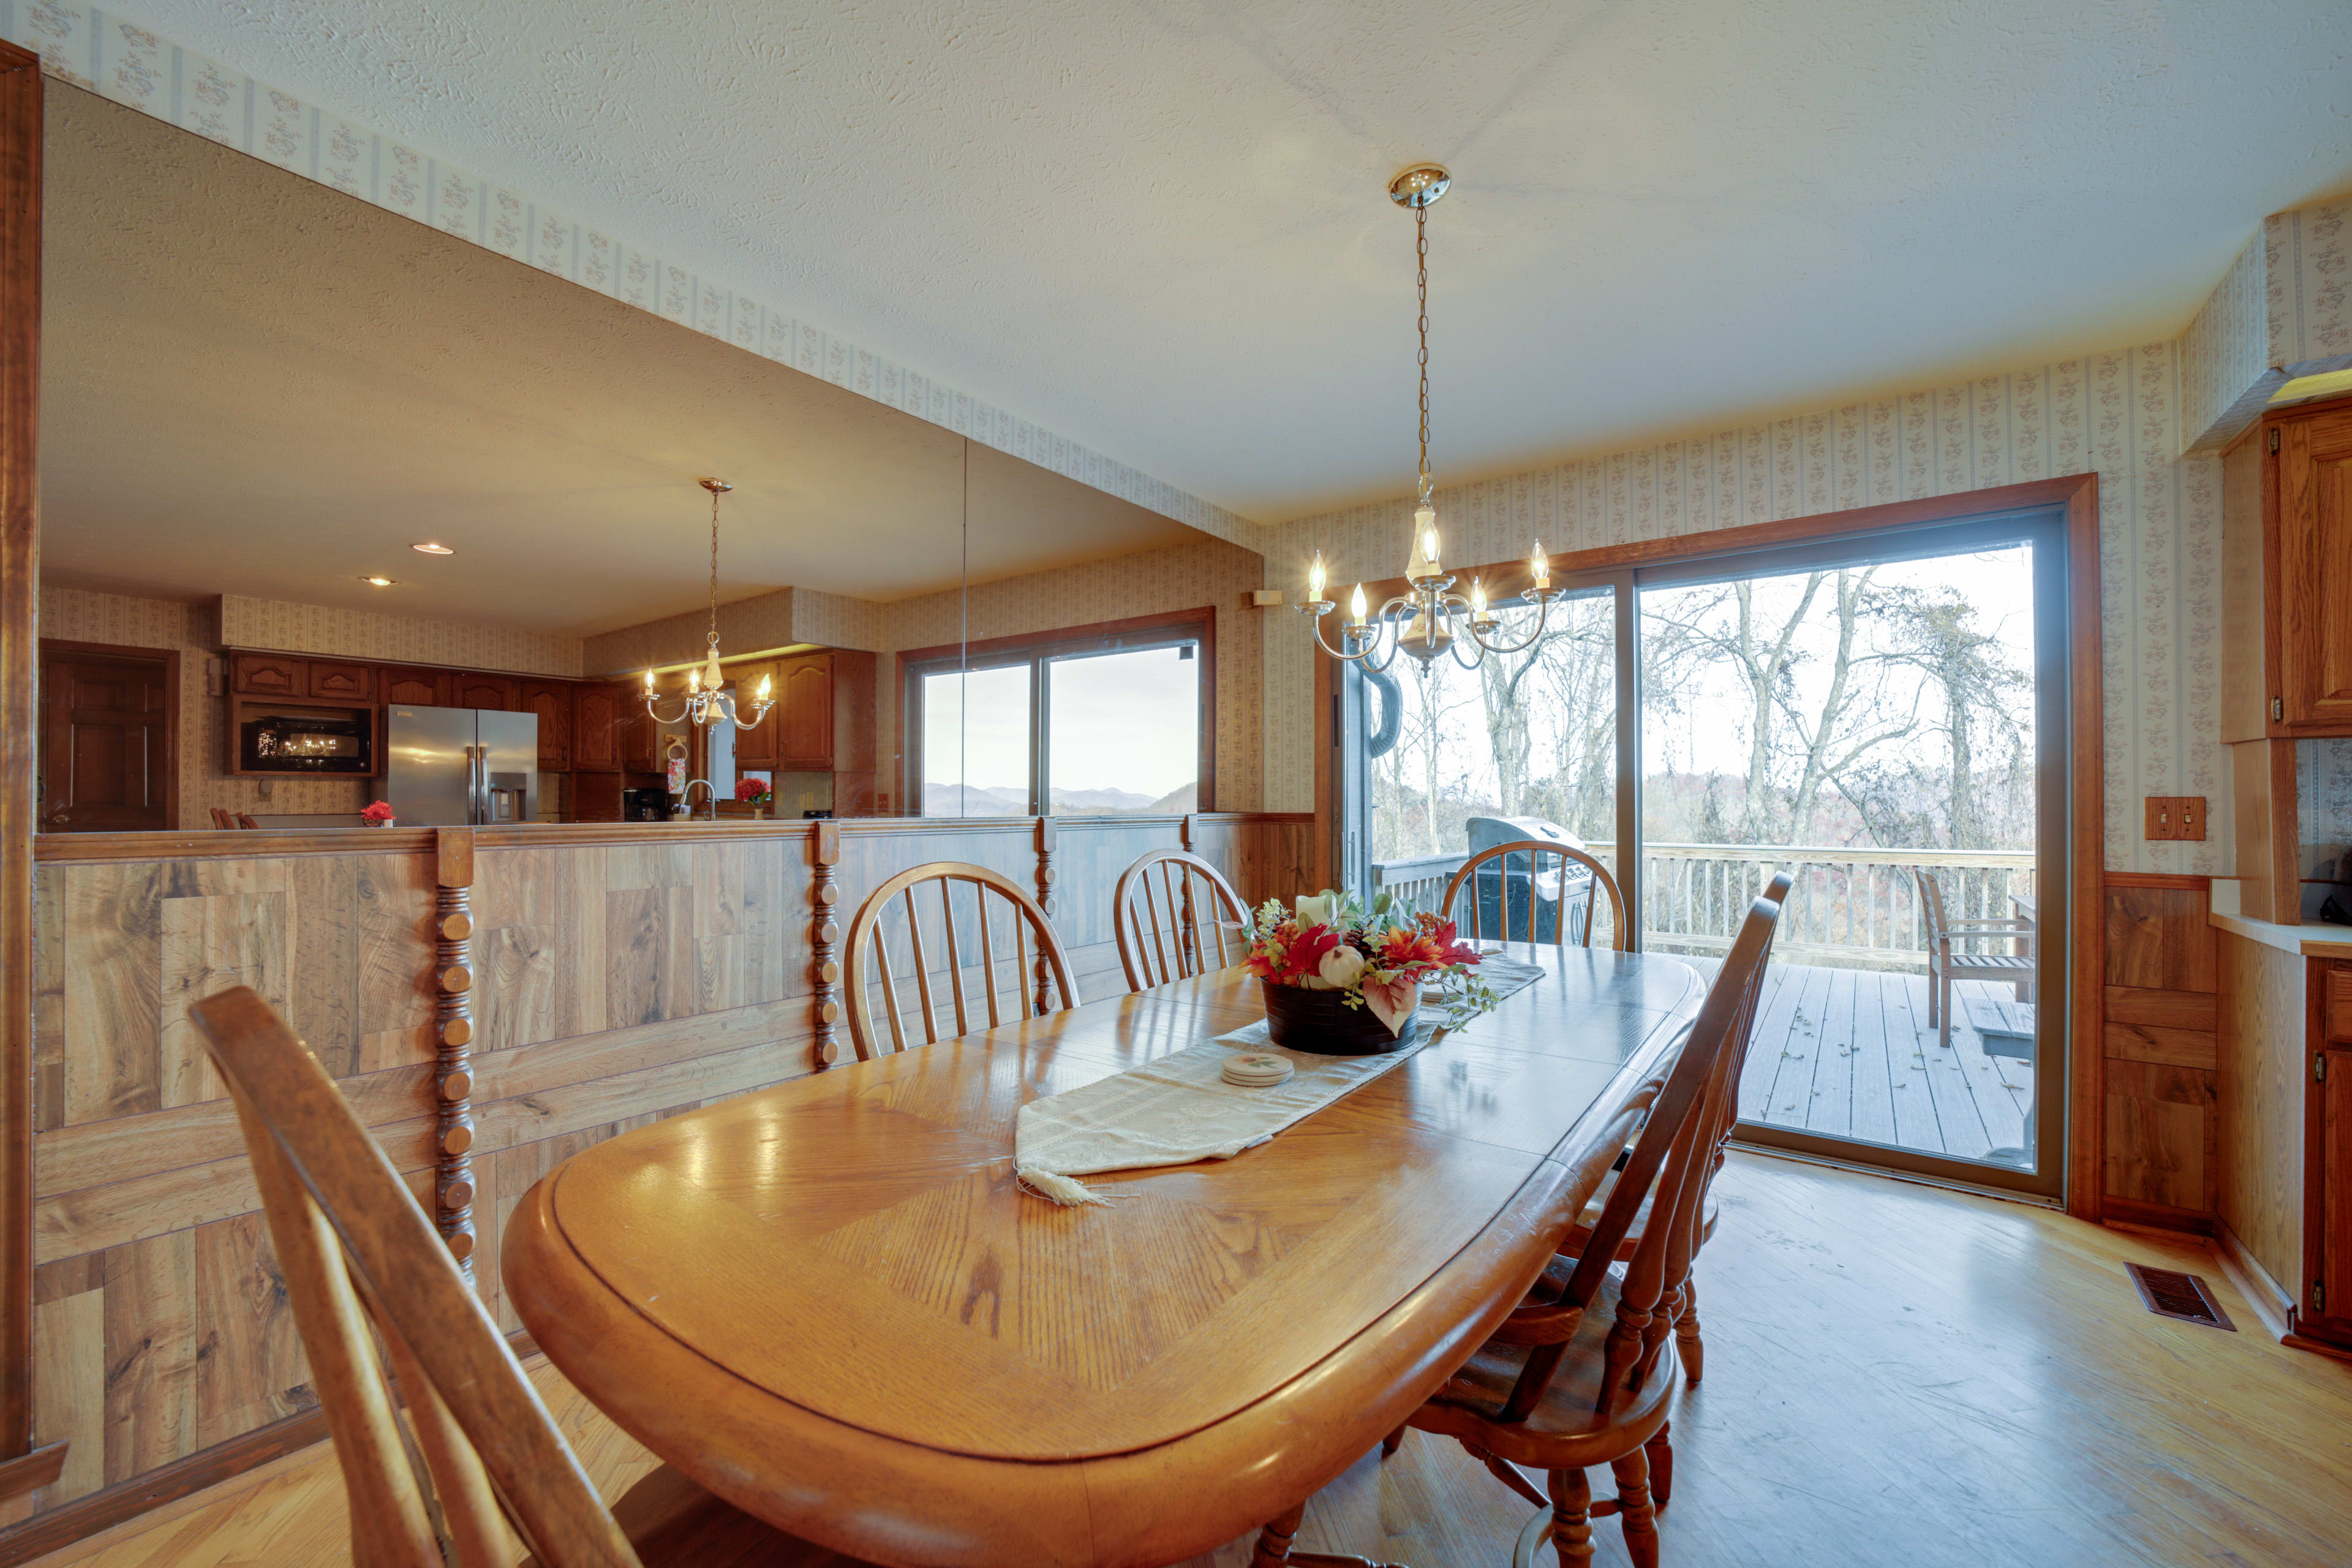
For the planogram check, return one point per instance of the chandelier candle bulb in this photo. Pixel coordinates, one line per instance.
(1540, 567)
(1356, 607)
(1315, 579)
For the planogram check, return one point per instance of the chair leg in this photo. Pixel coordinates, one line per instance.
(1686, 1341)
(1635, 1511)
(1392, 1442)
(1944, 1037)
(1661, 1450)
(1274, 1541)
(1572, 1518)
(1933, 980)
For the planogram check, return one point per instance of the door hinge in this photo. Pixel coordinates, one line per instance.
(2274, 438)
(2278, 710)
(2319, 1066)
(2318, 1300)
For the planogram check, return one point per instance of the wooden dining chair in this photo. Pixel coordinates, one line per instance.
(1164, 931)
(1534, 849)
(1031, 988)
(1693, 1351)
(1583, 1372)
(474, 1462)
(221, 818)
(1948, 961)
(245, 821)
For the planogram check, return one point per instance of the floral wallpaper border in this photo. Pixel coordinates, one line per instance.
(134, 66)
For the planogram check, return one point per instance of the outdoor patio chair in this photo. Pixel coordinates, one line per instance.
(1948, 961)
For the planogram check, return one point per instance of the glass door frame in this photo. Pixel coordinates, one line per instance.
(2059, 516)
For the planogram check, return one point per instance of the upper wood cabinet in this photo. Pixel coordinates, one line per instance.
(596, 732)
(803, 713)
(755, 748)
(407, 687)
(502, 692)
(552, 701)
(2286, 552)
(334, 681)
(268, 675)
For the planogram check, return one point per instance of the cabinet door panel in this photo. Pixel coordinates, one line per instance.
(805, 703)
(2314, 478)
(754, 748)
(269, 675)
(343, 682)
(502, 692)
(403, 687)
(552, 701)
(595, 738)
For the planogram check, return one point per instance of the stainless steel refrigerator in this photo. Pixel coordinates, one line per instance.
(453, 767)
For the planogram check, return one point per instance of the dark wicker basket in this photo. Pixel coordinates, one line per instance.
(1322, 1023)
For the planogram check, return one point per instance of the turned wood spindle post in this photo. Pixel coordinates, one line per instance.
(453, 1034)
(824, 854)
(1045, 972)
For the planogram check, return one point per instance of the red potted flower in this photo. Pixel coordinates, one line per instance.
(1339, 981)
(377, 815)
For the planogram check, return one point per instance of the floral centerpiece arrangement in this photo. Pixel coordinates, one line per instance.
(754, 792)
(1342, 979)
(377, 815)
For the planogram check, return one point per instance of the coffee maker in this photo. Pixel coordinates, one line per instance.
(645, 805)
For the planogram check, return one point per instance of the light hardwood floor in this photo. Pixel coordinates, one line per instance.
(1895, 1376)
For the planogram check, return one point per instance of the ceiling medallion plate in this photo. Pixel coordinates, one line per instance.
(1420, 186)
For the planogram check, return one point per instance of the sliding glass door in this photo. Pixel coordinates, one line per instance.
(1881, 716)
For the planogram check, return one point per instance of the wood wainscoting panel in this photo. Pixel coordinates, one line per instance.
(619, 976)
(2160, 1122)
(2262, 1094)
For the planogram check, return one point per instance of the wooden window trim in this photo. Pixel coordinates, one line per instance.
(1199, 626)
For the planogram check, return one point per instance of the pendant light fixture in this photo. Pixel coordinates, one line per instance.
(1420, 621)
(704, 702)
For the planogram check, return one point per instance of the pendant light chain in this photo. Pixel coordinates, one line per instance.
(714, 568)
(1420, 250)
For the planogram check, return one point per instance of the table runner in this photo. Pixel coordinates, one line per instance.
(1179, 1109)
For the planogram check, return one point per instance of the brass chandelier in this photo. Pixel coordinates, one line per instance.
(1421, 621)
(705, 702)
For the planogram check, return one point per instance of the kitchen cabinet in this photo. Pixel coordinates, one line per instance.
(595, 734)
(2327, 1202)
(755, 748)
(2286, 554)
(403, 687)
(552, 701)
(803, 714)
(334, 681)
(268, 675)
(502, 693)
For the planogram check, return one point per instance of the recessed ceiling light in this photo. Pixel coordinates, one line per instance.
(429, 548)
(377, 582)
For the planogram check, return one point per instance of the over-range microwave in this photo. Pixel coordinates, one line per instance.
(302, 744)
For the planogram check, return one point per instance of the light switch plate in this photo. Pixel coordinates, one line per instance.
(2176, 816)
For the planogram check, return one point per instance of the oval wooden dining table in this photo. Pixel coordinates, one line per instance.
(830, 1302)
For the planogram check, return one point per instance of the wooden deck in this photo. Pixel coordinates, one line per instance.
(1849, 1053)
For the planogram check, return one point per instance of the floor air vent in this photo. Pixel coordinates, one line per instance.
(2172, 1294)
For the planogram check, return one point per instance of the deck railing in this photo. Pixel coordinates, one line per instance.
(1857, 907)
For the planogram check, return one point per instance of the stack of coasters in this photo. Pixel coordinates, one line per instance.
(1256, 1070)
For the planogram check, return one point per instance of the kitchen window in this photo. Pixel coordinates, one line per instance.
(1111, 719)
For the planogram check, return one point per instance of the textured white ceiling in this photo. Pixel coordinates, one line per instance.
(254, 384)
(1157, 224)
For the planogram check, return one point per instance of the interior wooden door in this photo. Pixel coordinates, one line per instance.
(109, 742)
(2314, 478)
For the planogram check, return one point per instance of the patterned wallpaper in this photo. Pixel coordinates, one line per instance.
(2281, 311)
(401, 639)
(745, 627)
(2116, 413)
(2322, 789)
(131, 65)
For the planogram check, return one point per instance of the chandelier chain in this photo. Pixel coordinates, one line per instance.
(714, 568)
(1420, 251)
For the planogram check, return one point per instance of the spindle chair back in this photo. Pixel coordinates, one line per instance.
(1171, 910)
(1473, 927)
(895, 914)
